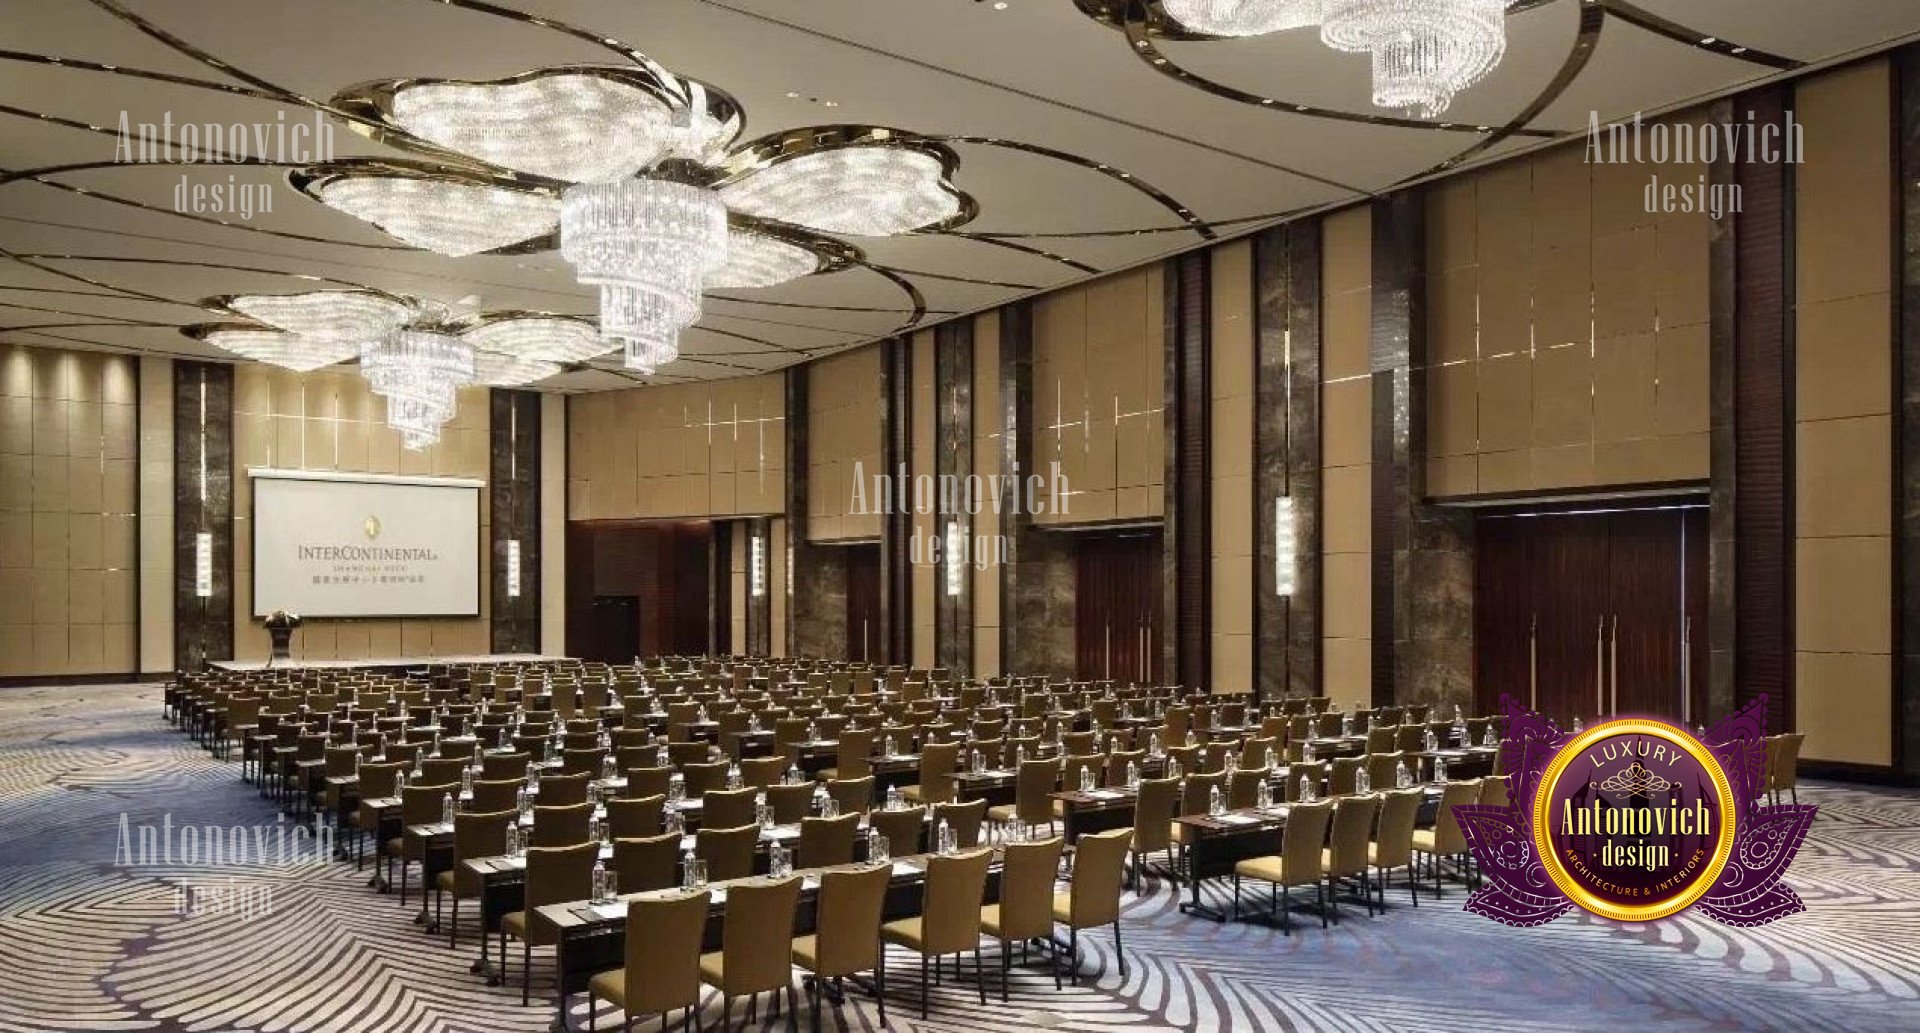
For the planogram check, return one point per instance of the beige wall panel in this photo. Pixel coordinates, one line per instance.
(1624, 378)
(1346, 423)
(1681, 400)
(1843, 364)
(1844, 486)
(1842, 591)
(1452, 417)
(1842, 702)
(1346, 320)
(1562, 396)
(1843, 233)
(1452, 219)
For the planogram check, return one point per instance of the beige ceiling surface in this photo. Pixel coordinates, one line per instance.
(1034, 98)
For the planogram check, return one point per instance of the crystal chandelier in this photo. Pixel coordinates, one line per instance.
(296, 352)
(451, 218)
(757, 260)
(550, 339)
(419, 373)
(649, 245)
(303, 332)
(1242, 17)
(1424, 51)
(879, 191)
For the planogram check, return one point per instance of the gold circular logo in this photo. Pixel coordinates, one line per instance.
(1634, 819)
(371, 527)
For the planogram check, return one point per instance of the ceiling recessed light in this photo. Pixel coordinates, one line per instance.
(1001, 6)
(793, 95)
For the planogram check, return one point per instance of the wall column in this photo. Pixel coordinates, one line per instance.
(1187, 552)
(953, 463)
(202, 504)
(1286, 455)
(155, 516)
(1037, 576)
(514, 488)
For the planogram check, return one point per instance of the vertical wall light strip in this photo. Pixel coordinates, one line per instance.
(757, 565)
(203, 564)
(956, 558)
(1285, 544)
(513, 568)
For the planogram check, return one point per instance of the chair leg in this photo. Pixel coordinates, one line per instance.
(526, 972)
(1286, 911)
(1320, 898)
(924, 986)
(1006, 968)
(1118, 952)
(453, 927)
(1333, 900)
(1073, 956)
(880, 985)
(979, 973)
(1236, 896)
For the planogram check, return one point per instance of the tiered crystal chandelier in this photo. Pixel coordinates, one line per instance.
(1424, 51)
(419, 372)
(649, 245)
(638, 167)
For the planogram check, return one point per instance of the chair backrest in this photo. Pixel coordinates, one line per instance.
(904, 828)
(853, 795)
(1787, 774)
(790, 803)
(663, 951)
(629, 818)
(1243, 787)
(647, 862)
(1033, 789)
(496, 795)
(1344, 774)
(1393, 840)
(563, 790)
(762, 771)
(964, 819)
(1026, 888)
(421, 804)
(1117, 762)
(559, 874)
(705, 778)
(477, 834)
(561, 826)
(1352, 831)
(1381, 768)
(1153, 813)
(853, 758)
(728, 852)
(728, 808)
(937, 762)
(847, 920)
(1098, 862)
(757, 937)
(827, 841)
(1447, 838)
(1301, 843)
(1197, 793)
(1494, 790)
(377, 780)
(950, 911)
(648, 781)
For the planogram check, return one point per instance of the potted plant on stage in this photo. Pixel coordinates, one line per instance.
(280, 625)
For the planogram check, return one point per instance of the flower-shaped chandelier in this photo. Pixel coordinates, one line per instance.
(413, 353)
(639, 171)
(1424, 51)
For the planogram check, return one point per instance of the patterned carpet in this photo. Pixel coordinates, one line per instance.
(90, 945)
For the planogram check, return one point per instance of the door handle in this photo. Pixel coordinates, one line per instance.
(1533, 663)
(1686, 672)
(1613, 667)
(1600, 666)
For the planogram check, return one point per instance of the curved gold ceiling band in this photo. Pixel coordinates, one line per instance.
(1159, 196)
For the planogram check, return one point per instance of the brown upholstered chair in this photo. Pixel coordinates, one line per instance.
(1347, 851)
(647, 862)
(964, 819)
(1093, 898)
(756, 944)
(1444, 840)
(1297, 864)
(561, 826)
(827, 841)
(499, 794)
(853, 755)
(662, 970)
(1025, 909)
(937, 763)
(790, 803)
(728, 852)
(949, 919)
(631, 818)
(852, 795)
(728, 808)
(846, 936)
(647, 781)
(1032, 796)
(705, 778)
(904, 828)
(563, 790)
(419, 805)
(554, 875)
(1153, 814)
(475, 834)
(1393, 840)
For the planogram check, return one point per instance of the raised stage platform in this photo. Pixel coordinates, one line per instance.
(381, 663)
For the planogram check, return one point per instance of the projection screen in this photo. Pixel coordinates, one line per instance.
(365, 545)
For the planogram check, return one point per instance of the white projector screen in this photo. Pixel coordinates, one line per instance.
(359, 545)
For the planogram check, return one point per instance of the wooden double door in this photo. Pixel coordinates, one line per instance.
(1117, 606)
(1591, 614)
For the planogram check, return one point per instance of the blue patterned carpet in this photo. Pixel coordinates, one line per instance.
(90, 945)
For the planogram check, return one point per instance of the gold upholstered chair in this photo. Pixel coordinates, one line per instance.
(662, 970)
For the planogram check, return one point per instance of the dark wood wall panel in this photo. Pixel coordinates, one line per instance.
(760, 607)
(513, 501)
(1286, 270)
(817, 610)
(202, 502)
(896, 525)
(1763, 390)
(953, 457)
(1188, 556)
(1906, 409)
(1037, 574)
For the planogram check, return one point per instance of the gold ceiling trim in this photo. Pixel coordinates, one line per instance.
(1111, 171)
